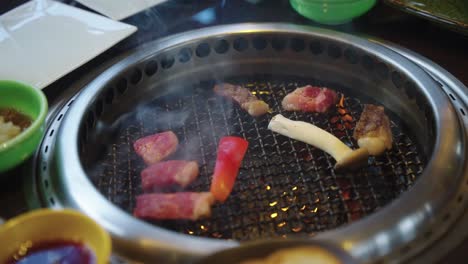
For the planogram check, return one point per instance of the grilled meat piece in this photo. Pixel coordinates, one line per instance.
(373, 131)
(181, 205)
(243, 97)
(309, 99)
(157, 147)
(166, 173)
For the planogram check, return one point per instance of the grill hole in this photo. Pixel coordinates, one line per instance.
(185, 55)
(135, 77)
(70, 103)
(203, 50)
(44, 168)
(462, 111)
(297, 44)
(259, 43)
(151, 67)
(316, 47)
(382, 71)
(90, 119)
(52, 201)
(99, 108)
(46, 183)
(122, 84)
(397, 79)
(46, 149)
(109, 96)
(351, 56)
(334, 51)
(221, 46)
(167, 62)
(453, 97)
(446, 217)
(84, 133)
(278, 44)
(420, 103)
(240, 44)
(427, 234)
(51, 133)
(367, 63)
(410, 89)
(60, 117)
(405, 250)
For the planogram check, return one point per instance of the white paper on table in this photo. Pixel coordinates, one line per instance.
(42, 40)
(119, 9)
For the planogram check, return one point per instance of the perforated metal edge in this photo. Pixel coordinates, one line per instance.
(435, 229)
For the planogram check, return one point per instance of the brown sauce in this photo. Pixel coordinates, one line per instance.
(17, 118)
(53, 252)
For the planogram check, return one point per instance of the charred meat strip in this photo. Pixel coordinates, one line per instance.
(167, 173)
(309, 99)
(373, 131)
(181, 205)
(243, 97)
(157, 147)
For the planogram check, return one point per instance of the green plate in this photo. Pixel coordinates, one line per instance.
(31, 102)
(452, 14)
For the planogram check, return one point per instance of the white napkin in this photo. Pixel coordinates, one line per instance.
(42, 40)
(119, 9)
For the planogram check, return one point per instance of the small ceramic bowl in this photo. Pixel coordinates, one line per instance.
(46, 225)
(28, 101)
(281, 251)
(332, 12)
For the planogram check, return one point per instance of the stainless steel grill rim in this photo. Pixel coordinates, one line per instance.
(349, 237)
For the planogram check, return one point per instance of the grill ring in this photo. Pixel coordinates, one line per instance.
(187, 246)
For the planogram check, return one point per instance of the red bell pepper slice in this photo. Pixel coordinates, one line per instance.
(231, 151)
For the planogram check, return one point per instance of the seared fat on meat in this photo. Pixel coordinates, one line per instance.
(310, 99)
(167, 173)
(373, 131)
(180, 205)
(242, 95)
(156, 147)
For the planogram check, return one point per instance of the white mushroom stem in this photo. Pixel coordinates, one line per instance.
(319, 138)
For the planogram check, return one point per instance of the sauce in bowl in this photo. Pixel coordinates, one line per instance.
(53, 252)
(12, 123)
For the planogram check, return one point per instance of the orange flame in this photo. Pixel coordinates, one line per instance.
(341, 103)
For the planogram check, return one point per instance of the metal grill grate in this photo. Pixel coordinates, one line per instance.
(284, 186)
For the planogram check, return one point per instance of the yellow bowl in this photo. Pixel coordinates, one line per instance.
(54, 225)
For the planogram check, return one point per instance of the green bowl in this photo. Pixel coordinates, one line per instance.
(31, 102)
(332, 12)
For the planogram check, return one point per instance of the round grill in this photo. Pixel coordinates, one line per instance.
(284, 186)
(391, 209)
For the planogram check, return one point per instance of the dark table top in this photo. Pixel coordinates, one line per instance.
(446, 48)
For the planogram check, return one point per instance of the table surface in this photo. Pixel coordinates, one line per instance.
(444, 47)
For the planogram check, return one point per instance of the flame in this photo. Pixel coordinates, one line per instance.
(341, 103)
(282, 224)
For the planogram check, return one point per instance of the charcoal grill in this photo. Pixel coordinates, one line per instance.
(390, 210)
